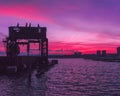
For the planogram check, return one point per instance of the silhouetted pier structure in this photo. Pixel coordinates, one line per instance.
(25, 35)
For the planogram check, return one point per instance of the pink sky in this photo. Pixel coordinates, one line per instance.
(72, 25)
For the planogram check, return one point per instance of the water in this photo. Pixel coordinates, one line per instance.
(71, 77)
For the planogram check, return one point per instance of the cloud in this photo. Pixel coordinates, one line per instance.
(72, 24)
(24, 11)
(83, 47)
(11, 2)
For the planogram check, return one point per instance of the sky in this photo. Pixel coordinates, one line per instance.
(72, 25)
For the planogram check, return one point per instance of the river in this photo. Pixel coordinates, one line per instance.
(70, 77)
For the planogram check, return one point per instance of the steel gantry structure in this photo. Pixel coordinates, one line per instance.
(25, 35)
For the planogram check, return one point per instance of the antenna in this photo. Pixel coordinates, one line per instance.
(26, 24)
(29, 24)
(38, 25)
(17, 24)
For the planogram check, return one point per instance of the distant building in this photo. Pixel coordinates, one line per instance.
(98, 53)
(77, 53)
(118, 50)
(104, 53)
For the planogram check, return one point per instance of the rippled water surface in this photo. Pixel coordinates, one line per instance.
(71, 77)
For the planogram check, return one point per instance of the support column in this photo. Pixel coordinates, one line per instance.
(44, 47)
(44, 50)
(28, 49)
(39, 48)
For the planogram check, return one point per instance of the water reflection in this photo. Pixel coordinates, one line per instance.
(71, 77)
(76, 77)
(20, 86)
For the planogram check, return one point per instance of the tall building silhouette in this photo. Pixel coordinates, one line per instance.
(104, 53)
(118, 50)
(98, 53)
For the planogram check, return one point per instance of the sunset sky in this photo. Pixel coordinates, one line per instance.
(72, 25)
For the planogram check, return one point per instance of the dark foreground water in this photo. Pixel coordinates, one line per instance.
(71, 77)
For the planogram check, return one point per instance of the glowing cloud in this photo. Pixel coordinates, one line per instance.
(76, 25)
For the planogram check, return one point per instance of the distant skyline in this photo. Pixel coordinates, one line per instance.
(72, 25)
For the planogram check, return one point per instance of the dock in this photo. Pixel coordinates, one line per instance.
(25, 35)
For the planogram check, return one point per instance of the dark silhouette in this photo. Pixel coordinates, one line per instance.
(30, 35)
(118, 51)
